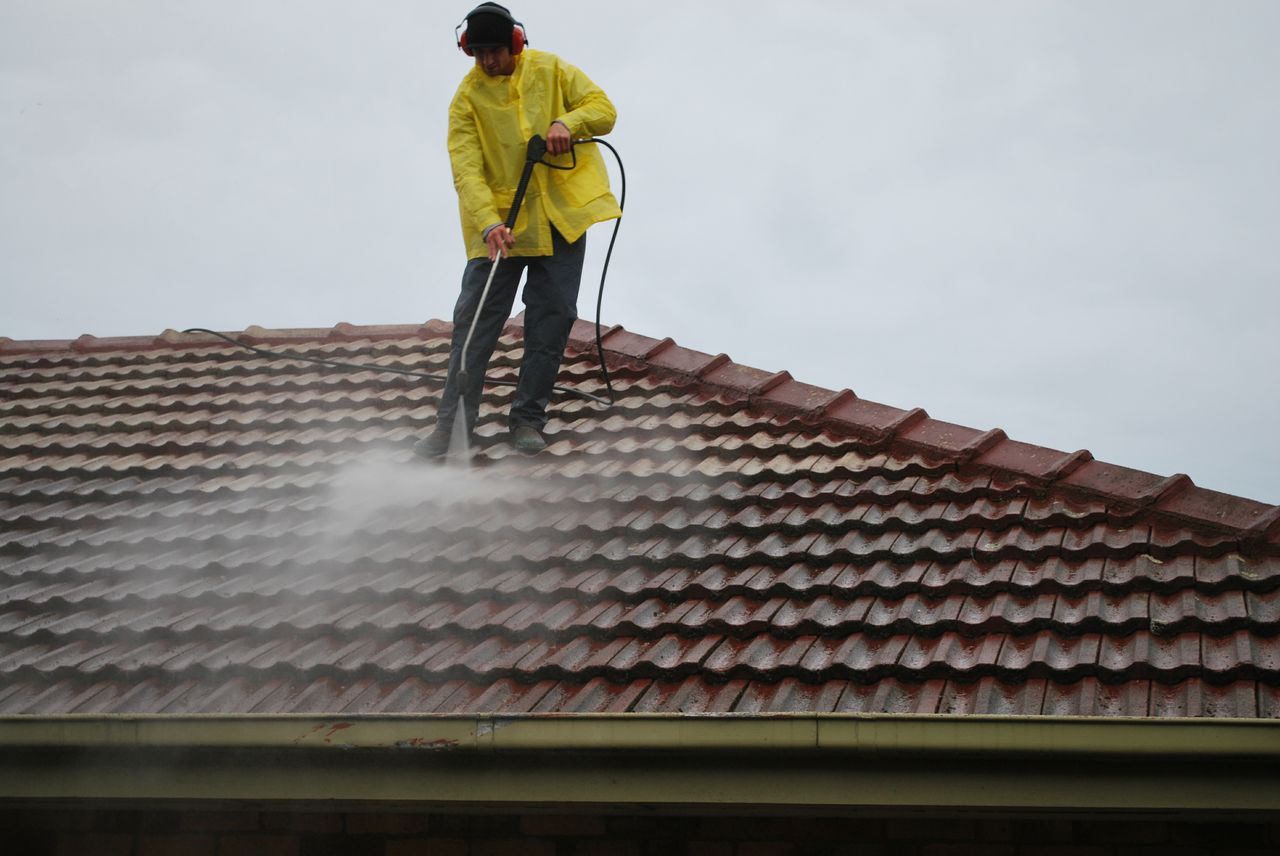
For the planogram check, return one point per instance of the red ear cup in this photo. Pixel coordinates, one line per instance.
(517, 39)
(462, 44)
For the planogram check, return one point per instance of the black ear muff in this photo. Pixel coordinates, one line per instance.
(518, 36)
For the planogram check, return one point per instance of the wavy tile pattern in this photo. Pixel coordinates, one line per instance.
(188, 527)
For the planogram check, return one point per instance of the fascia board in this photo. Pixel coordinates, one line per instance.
(677, 763)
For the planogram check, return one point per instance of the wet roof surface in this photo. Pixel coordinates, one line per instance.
(189, 527)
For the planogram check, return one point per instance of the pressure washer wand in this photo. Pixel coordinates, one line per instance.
(534, 153)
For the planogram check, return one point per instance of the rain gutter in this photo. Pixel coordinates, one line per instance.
(834, 761)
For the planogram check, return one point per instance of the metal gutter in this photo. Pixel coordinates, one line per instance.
(832, 762)
(876, 734)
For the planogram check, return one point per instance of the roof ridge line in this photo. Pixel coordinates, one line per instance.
(879, 425)
(253, 334)
(1174, 497)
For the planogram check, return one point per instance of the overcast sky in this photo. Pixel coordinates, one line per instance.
(1055, 217)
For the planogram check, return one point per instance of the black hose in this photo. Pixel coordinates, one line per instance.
(604, 271)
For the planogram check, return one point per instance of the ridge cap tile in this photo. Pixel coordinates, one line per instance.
(88, 344)
(870, 419)
(1254, 519)
(667, 342)
(256, 335)
(36, 346)
(789, 395)
(176, 338)
(1071, 462)
(741, 378)
(956, 441)
(1113, 481)
(633, 345)
(1038, 462)
(983, 443)
(343, 331)
(1167, 488)
(686, 361)
(583, 332)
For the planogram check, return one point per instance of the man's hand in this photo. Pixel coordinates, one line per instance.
(559, 140)
(499, 240)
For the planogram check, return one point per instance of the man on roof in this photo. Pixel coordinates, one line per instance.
(511, 94)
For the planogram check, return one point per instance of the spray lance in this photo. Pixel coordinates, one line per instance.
(534, 153)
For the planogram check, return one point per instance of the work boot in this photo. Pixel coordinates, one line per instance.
(527, 439)
(434, 446)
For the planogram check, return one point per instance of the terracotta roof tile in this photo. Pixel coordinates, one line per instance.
(188, 527)
(790, 695)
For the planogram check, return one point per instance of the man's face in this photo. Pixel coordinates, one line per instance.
(494, 62)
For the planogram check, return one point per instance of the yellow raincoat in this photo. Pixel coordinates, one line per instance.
(490, 122)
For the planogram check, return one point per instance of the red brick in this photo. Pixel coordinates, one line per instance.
(1124, 832)
(1219, 836)
(426, 847)
(475, 825)
(968, 850)
(343, 845)
(995, 830)
(258, 845)
(302, 821)
(30, 841)
(97, 843)
(133, 821)
(176, 845)
(653, 828)
(750, 828)
(393, 823)
(933, 829)
(562, 824)
(766, 848)
(512, 847)
(710, 848)
(829, 829)
(606, 848)
(1044, 831)
(219, 821)
(58, 821)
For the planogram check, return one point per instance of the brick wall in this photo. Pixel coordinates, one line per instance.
(61, 832)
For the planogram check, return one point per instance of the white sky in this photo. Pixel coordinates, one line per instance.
(1056, 217)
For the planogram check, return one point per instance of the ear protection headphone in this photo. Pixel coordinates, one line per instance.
(518, 37)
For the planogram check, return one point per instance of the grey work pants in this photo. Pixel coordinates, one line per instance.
(551, 306)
